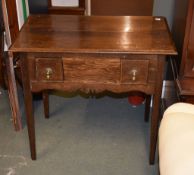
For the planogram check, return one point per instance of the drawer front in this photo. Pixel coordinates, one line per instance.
(92, 70)
(134, 71)
(49, 69)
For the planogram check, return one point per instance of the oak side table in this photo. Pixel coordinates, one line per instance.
(92, 53)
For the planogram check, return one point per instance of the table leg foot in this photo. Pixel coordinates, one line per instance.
(28, 100)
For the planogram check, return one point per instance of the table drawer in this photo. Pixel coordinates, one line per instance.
(49, 69)
(92, 70)
(134, 71)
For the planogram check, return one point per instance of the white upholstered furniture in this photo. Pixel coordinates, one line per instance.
(176, 140)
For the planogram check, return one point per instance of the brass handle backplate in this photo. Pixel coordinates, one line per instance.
(134, 74)
(49, 72)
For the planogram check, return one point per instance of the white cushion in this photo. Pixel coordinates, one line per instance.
(176, 140)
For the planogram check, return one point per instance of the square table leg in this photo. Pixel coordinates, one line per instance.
(155, 117)
(28, 100)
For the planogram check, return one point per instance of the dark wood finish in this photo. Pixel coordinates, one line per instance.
(183, 29)
(45, 97)
(12, 18)
(80, 10)
(11, 29)
(29, 108)
(128, 34)
(100, 70)
(147, 108)
(49, 69)
(2, 80)
(2, 63)
(122, 7)
(12, 91)
(187, 53)
(156, 109)
(96, 54)
(135, 71)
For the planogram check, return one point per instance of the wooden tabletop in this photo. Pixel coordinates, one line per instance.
(128, 34)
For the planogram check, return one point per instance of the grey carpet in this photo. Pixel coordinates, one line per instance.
(84, 136)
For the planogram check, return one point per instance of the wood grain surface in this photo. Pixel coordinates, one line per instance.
(58, 33)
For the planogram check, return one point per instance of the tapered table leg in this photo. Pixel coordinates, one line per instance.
(29, 107)
(45, 96)
(155, 118)
(147, 108)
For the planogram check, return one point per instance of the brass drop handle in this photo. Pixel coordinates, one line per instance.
(49, 72)
(134, 74)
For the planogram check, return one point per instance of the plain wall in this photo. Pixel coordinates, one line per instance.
(164, 8)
